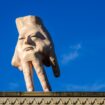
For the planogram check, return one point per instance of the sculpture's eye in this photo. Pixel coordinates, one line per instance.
(21, 38)
(39, 35)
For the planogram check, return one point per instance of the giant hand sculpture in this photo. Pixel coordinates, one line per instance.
(34, 49)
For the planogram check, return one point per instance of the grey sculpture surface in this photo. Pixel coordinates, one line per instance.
(34, 49)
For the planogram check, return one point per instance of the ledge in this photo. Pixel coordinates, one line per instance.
(52, 98)
(52, 94)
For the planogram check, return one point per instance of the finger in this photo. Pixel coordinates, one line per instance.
(31, 72)
(54, 64)
(27, 76)
(41, 74)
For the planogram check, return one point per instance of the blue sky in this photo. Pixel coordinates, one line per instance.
(78, 31)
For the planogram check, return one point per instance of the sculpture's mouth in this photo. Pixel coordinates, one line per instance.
(28, 48)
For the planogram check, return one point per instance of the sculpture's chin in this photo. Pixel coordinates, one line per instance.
(28, 55)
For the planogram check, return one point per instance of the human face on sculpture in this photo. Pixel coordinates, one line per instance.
(31, 44)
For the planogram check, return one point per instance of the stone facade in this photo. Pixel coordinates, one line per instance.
(60, 98)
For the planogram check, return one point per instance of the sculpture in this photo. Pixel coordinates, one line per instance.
(34, 49)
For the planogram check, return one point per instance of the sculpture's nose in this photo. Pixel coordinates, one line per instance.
(29, 41)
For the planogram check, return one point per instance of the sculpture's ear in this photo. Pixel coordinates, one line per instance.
(15, 59)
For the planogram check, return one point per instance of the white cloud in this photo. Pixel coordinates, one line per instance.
(72, 54)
